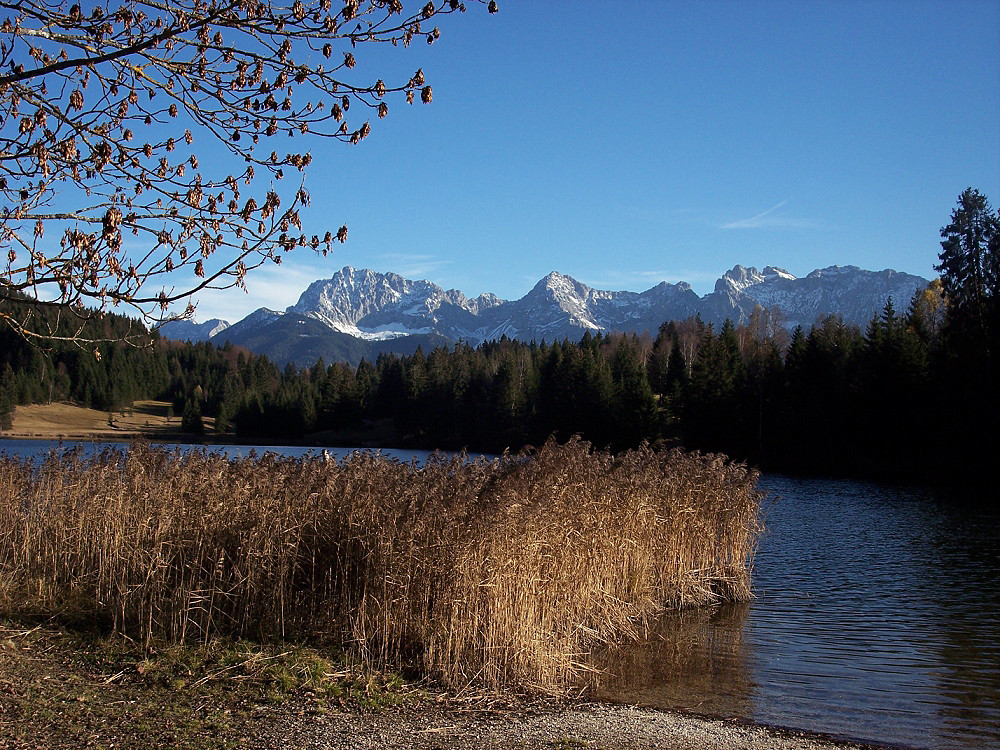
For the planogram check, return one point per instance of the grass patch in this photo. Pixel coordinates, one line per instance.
(68, 689)
(62, 419)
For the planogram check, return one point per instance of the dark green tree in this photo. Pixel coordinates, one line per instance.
(191, 417)
(658, 364)
(926, 314)
(710, 416)
(890, 381)
(222, 417)
(677, 370)
(634, 401)
(967, 367)
(7, 398)
(970, 266)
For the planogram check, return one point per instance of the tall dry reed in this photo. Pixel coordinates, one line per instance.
(500, 572)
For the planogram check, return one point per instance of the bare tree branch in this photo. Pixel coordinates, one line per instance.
(98, 114)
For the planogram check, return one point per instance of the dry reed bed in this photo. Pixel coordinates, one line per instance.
(503, 573)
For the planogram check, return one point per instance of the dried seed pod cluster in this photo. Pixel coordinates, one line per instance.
(95, 105)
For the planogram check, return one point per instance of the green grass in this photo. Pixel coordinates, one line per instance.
(63, 688)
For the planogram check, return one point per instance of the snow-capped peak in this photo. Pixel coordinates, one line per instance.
(770, 273)
(373, 305)
(188, 330)
(262, 315)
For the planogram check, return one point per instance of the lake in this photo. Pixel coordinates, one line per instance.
(39, 448)
(876, 618)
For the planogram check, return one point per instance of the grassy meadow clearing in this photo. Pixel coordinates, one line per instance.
(499, 573)
(62, 420)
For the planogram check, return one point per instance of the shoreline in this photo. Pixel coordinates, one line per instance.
(64, 689)
(602, 726)
(599, 725)
(153, 421)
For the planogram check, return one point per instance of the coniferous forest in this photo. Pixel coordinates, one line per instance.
(912, 396)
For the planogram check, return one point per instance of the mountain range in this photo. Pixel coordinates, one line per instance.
(358, 312)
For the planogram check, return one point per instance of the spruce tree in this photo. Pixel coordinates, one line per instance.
(967, 368)
(970, 267)
(7, 399)
(191, 417)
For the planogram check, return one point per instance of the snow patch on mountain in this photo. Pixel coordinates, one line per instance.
(259, 318)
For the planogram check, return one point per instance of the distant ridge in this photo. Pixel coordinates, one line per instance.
(359, 312)
(187, 330)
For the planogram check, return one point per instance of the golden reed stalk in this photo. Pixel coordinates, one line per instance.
(502, 573)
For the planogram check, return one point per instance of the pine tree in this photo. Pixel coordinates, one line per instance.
(926, 314)
(677, 370)
(635, 403)
(967, 365)
(191, 417)
(970, 267)
(7, 398)
(222, 418)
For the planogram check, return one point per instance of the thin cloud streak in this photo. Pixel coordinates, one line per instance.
(410, 265)
(769, 219)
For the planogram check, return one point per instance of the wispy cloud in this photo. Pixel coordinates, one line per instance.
(772, 218)
(413, 265)
(274, 287)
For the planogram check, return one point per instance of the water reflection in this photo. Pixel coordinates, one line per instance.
(966, 542)
(877, 618)
(697, 660)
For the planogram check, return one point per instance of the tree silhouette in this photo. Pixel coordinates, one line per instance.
(100, 113)
(970, 265)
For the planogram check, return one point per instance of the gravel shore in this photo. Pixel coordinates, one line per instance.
(597, 726)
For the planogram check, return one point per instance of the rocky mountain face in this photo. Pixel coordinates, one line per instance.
(854, 294)
(559, 307)
(360, 312)
(188, 330)
(373, 306)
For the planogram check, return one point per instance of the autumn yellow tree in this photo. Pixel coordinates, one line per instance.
(104, 108)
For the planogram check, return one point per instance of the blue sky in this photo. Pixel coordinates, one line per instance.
(641, 141)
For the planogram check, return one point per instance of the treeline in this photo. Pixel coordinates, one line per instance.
(102, 376)
(912, 395)
(129, 364)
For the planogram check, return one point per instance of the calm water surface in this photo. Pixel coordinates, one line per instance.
(876, 618)
(39, 448)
